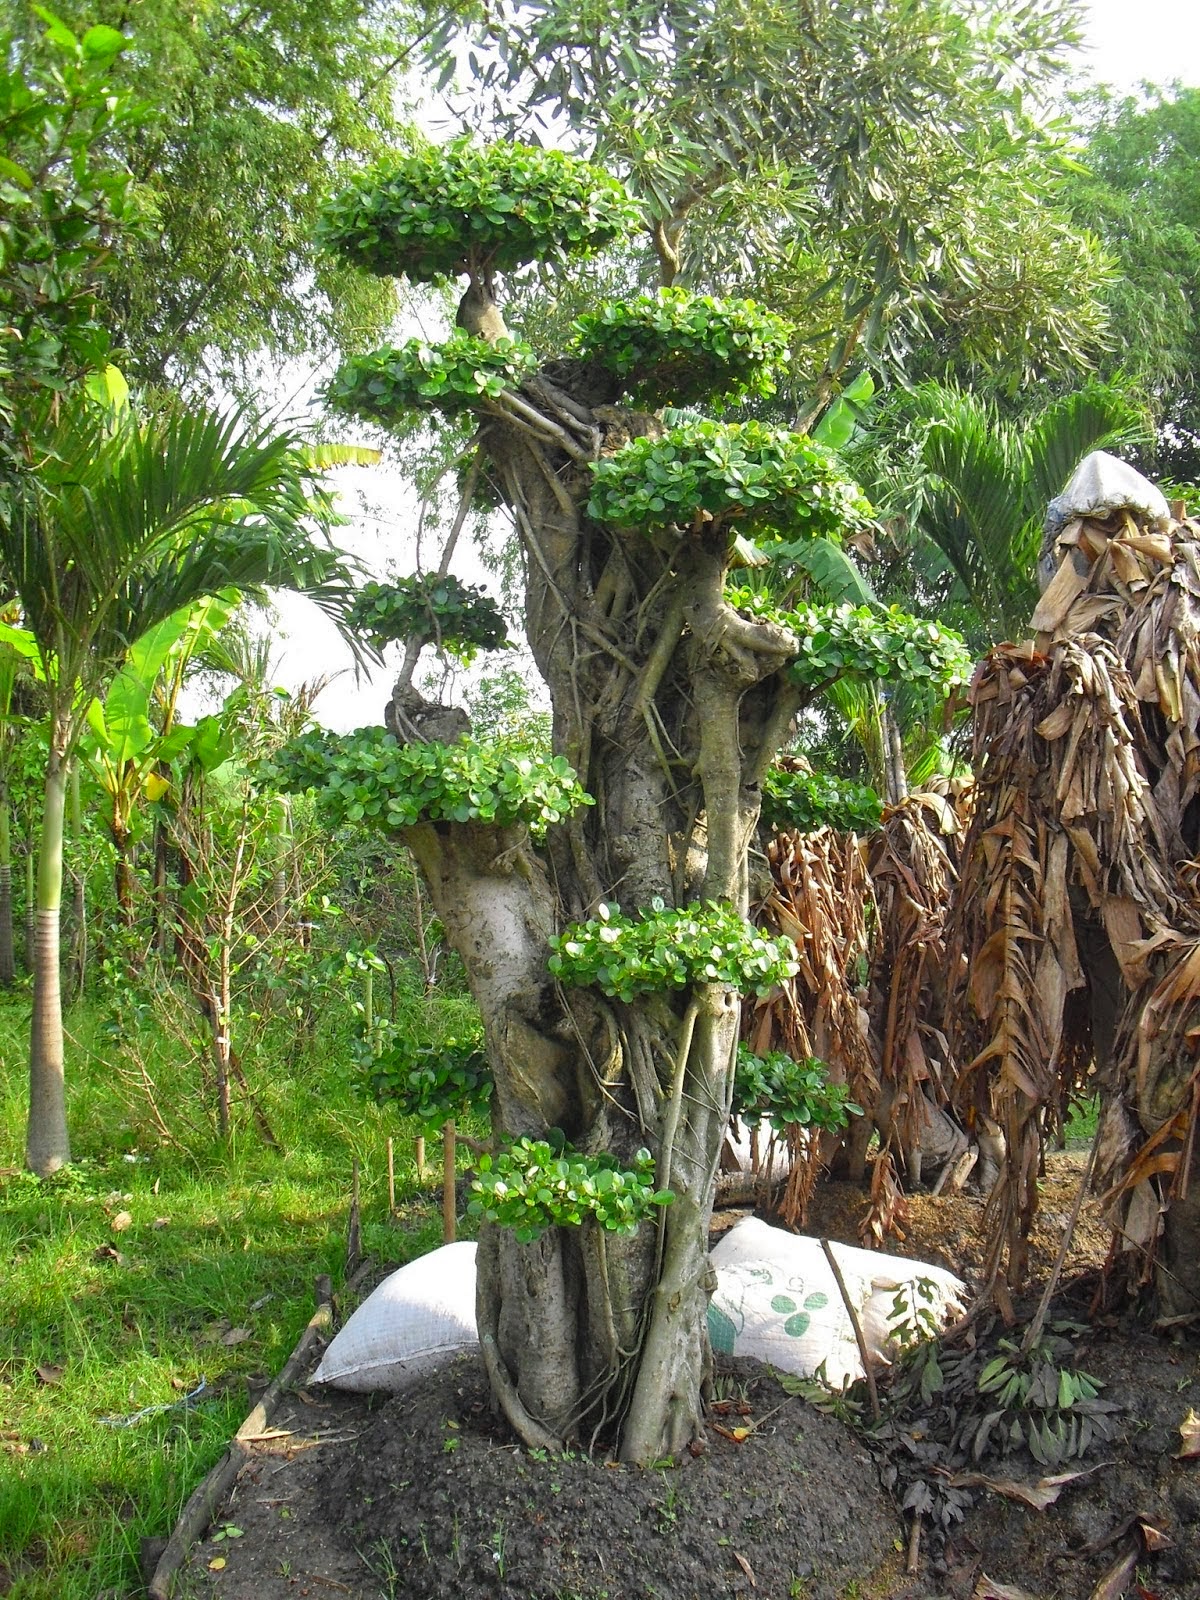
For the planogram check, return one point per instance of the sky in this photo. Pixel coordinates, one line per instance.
(1127, 42)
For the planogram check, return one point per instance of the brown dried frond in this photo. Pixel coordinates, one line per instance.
(819, 897)
(914, 869)
(1087, 760)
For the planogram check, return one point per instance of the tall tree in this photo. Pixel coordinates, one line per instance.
(1139, 190)
(246, 112)
(611, 1036)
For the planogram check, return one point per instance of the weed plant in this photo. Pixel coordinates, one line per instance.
(150, 1264)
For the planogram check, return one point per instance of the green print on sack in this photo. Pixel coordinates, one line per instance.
(727, 1319)
(797, 1323)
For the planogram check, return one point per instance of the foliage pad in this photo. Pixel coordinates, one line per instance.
(444, 210)
(452, 377)
(789, 1092)
(535, 1184)
(845, 641)
(682, 348)
(458, 617)
(670, 949)
(368, 776)
(764, 479)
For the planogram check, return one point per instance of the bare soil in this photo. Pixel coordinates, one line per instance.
(425, 1495)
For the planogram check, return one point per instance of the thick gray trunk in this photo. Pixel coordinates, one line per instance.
(668, 705)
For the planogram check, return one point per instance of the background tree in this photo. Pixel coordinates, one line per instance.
(1139, 191)
(873, 172)
(244, 113)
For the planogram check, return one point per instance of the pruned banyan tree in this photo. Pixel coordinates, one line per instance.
(610, 1033)
(1079, 918)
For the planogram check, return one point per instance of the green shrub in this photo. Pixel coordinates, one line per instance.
(789, 1092)
(807, 801)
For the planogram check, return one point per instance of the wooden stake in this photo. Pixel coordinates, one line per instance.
(354, 1227)
(419, 1153)
(860, 1340)
(448, 1176)
(391, 1178)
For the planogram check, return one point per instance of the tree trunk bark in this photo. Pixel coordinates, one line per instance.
(47, 1146)
(667, 704)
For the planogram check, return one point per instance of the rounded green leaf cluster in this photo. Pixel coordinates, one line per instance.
(447, 209)
(679, 348)
(432, 1082)
(807, 801)
(765, 480)
(367, 776)
(537, 1184)
(789, 1092)
(459, 617)
(845, 641)
(670, 949)
(451, 377)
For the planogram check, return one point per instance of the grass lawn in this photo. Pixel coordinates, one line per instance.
(144, 1268)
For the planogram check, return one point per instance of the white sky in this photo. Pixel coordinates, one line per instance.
(1128, 42)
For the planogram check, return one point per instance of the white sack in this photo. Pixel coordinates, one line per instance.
(417, 1319)
(777, 1300)
(735, 1154)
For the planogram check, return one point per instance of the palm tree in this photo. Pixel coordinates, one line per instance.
(120, 523)
(978, 484)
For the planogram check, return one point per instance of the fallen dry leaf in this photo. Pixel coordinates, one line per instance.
(1153, 1538)
(988, 1589)
(216, 1564)
(162, 1222)
(1189, 1435)
(746, 1568)
(237, 1336)
(122, 1220)
(1115, 1581)
(1037, 1495)
(108, 1252)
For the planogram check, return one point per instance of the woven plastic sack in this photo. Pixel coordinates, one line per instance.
(778, 1301)
(419, 1318)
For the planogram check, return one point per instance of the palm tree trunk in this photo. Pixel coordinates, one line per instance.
(7, 956)
(30, 906)
(47, 1146)
(79, 939)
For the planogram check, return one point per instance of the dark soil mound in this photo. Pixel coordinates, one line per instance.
(437, 1498)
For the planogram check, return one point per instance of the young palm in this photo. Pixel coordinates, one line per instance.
(982, 481)
(119, 524)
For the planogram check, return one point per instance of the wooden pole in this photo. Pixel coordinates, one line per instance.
(448, 1176)
(391, 1178)
(419, 1153)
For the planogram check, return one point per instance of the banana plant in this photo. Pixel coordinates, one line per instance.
(133, 733)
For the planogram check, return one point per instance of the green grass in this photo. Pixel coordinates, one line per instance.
(121, 1318)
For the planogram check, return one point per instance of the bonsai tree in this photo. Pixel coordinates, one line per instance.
(598, 897)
